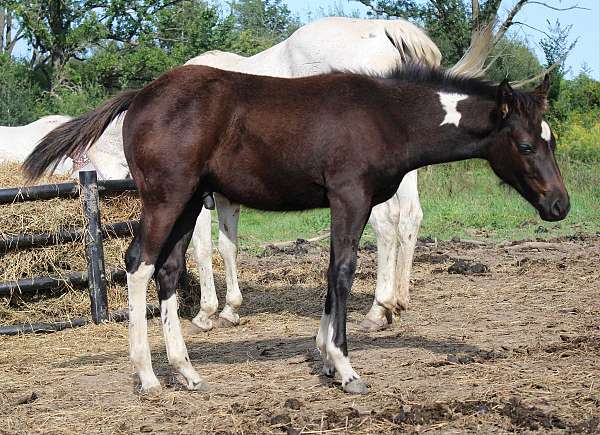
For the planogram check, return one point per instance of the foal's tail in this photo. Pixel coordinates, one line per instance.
(74, 137)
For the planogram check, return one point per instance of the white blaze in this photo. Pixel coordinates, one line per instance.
(449, 102)
(546, 135)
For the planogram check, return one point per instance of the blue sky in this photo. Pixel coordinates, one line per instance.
(586, 24)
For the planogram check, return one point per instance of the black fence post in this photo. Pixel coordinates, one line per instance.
(93, 244)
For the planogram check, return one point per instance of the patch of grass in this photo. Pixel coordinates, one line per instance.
(463, 199)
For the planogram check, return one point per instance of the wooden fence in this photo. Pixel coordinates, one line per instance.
(95, 278)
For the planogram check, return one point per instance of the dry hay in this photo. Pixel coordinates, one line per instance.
(50, 216)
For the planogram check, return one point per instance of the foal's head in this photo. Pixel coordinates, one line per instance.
(523, 151)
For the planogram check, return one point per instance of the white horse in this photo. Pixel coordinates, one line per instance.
(316, 48)
(16, 143)
(319, 47)
(105, 156)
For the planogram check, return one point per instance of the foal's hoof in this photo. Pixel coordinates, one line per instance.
(369, 325)
(356, 386)
(222, 322)
(328, 369)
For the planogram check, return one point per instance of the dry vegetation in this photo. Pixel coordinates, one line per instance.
(509, 343)
(50, 216)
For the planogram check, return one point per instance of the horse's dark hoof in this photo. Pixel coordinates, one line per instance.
(356, 386)
(208, 201)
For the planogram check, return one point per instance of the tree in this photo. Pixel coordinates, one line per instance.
(8, 36)
(60, 30)
(556, 47)
(512, 58)
(259, 24)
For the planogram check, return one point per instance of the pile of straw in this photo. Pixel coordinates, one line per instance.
(50, 216)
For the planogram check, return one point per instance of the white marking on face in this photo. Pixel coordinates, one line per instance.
(449, 102)
(546, 135)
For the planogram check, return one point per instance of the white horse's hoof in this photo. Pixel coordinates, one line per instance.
(150, 390)
(202, 325)
(200, 386)
(356, 386)
(369, 325)
(222, 322)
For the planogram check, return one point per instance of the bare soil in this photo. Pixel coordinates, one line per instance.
(497, 339)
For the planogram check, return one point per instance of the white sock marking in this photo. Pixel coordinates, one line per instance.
(176, 349)
(139, 347)
(449, 102)
(333, 357)
(546, 135)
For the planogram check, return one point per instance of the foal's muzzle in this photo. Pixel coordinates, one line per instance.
(554, 206)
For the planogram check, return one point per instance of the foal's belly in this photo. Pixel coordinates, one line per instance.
(272, 191)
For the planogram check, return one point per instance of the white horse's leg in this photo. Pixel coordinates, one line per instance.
(409, 222)
(202, 248)
(229, 214)
(139, 348)
(384, 218)
(396, 224)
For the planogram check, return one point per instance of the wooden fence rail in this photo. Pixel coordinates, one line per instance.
(90, 189)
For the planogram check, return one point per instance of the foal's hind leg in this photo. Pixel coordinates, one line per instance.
(349, 214)
(144, 253)
(169, 269)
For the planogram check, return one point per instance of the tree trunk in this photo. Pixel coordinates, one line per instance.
(2, 28)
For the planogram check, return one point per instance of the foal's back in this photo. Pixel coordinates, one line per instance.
(239, 133)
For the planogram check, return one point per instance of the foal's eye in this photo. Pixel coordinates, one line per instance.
(525, 148)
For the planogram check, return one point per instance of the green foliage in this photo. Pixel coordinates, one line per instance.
(513, 58)
(556, 47)
(260, 24)
(18, 93)
(72, 101)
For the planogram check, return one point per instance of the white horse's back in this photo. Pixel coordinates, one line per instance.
(334, 43)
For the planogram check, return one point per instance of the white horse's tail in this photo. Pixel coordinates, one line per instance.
(412, 43)
(473, 61)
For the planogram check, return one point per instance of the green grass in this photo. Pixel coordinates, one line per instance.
(464, 200)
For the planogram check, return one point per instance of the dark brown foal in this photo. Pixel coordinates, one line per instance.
(338, 140)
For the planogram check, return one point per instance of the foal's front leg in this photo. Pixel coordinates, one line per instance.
(349, 214)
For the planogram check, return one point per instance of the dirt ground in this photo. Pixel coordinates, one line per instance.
(509, 342)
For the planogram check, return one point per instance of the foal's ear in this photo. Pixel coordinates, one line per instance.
(504, 97)
(542, 92)
(543, 87)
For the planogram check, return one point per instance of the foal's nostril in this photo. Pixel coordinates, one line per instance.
(556, 208)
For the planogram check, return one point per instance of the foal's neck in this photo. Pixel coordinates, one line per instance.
(460, 130)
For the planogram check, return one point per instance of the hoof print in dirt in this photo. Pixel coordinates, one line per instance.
(356, 386)
(280, 420)
(467, 267)
(460, 359)
(27, 398)
(292, 403)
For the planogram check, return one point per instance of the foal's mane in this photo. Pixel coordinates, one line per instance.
(444, 80)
